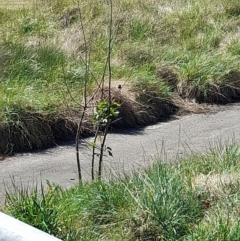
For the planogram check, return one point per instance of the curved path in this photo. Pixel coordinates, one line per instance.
(132, 150)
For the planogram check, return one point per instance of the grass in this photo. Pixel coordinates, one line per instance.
(162, 48)
(196, 198)
(42, 49)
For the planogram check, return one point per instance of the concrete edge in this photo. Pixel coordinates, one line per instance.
(12, 229)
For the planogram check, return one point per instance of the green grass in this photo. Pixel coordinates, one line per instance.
(195, 199)
(41, 75)
(42, 50)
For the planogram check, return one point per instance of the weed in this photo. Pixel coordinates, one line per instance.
(27, 206)
(164, 203)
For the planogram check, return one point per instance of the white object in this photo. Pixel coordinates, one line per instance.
(12, 229)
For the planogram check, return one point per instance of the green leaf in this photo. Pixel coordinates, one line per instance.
(110, 153)
(94, 144)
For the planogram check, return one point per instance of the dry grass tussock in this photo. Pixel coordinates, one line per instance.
(36, 131)
(226, 92)
(140, 106)
(15, 4)
(215, 184)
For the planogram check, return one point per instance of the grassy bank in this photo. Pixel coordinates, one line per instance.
(162, 51)
(194, 199)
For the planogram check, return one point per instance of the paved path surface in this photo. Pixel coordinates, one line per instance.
(132, 150)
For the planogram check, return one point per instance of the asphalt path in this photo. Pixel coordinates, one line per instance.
(133, 150)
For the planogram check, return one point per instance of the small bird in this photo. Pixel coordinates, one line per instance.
(119, 87)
